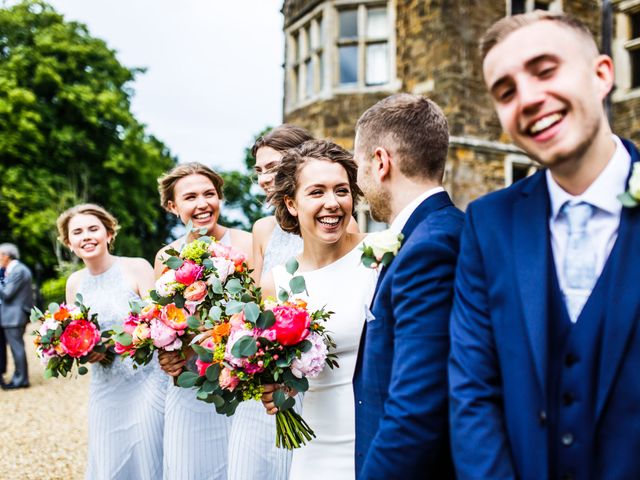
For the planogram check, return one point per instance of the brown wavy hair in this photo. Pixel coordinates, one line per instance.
(282, 138)
(288, 173)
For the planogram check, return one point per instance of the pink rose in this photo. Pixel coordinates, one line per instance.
(202, 367)
(130, 323)
(269, 334)
(228, 381)
(161, 334)
(252, 368)
(292, 324)
(141, 333)
(189, 272)
(196, 291)
(224, 268)
(216, 249)
(79, 338)
(148, 312)
(237, 321)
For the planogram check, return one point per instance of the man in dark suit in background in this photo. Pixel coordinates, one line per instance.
(3, 343)
(400, 381)
(17, 300)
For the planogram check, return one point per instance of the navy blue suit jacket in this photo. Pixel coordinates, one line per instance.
(499, 346)
(400, 381)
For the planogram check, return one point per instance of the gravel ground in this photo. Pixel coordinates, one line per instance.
(43, 429)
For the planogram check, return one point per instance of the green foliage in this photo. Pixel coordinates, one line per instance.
(53, 290)
(67, 135)
(241, 193)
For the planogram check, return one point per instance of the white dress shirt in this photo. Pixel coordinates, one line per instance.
(403, 217)
(602, 194)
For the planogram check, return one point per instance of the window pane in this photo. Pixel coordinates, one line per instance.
(348, 23)
(301, 49)
(321, 30)
(635, 68)
(308, 65)
(301, 84)
(348, 64)
(635, 25)
(541, 5)
(377, 22)
(293, 87)
(321, 71)
(313, 39)
(377, 64)
(293, 52)
(517, 6)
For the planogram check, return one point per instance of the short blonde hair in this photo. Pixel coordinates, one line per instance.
(167, 182)
(109, 221)
(497, 32)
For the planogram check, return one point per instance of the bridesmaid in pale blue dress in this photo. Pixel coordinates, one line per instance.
(126, 405)
(196, 438)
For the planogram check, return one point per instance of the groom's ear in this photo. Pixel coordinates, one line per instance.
(381, 163)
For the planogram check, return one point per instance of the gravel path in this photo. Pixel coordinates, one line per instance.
(43, 429)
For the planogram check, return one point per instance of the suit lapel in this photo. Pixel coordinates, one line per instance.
(430, 204)
(531, 259)
(623, 299)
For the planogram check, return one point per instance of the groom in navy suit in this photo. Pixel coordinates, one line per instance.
(545, 341)
(400, 381)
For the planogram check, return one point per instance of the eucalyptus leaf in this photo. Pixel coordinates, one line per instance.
(193, 322)
(203, 354)
(233, 306)
(216, 286)
(123, 338)
(213, 372)
(297, 284)
(266, 319)
(187, 379)
(279, 397)
(283, 295)
(244, 347)
(207, 263)
(215, 313)
(234, 286)
(291, 265)
(79, 298)
(48, 373)
(53, 307)
(82, 370)
(174, 263)
(251, 312)
(209, 386)
(368, 261)
(178, 300)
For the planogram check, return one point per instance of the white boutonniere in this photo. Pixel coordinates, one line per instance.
(631, 198)
(379, 248)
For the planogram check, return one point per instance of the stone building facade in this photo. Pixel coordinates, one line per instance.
(344, 55)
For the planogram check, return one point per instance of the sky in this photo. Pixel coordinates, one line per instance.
(214, 74)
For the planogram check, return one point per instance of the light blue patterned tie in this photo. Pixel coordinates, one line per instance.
(579, 259)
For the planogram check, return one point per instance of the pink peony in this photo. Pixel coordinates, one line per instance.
(311, 362)
(174, 317)
(228, 381)
(224, 268)
(292, 324)
(237, 321)
(141, 333)
(196, 291)
(202, 367)
(161, 334)
(79, 338)
(233, 338)
(148, 312)
(189, 272)
(269, 334)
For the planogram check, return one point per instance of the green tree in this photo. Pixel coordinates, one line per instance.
(244, 201)
(67, 135)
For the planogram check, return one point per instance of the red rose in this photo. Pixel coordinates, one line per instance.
(292, 324)
(79, 338)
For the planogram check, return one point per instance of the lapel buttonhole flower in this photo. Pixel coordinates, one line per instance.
(631, 198)
(380, 248)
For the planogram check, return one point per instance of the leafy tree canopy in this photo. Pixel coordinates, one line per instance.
(67, 135)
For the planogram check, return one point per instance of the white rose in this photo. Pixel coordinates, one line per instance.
(383, 242)
(223, 267)
(166, 284)
(634, 182)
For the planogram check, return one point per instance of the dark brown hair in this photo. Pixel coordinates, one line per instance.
(286, 179)
(413, 127)
(497, 32)
(109, 221)
(282, 138)
(167, 182)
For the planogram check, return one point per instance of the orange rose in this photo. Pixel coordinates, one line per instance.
(220, 331)
(61, 314)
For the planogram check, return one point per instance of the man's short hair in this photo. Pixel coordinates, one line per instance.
(413, 127)
(497, 32)
(10, 250)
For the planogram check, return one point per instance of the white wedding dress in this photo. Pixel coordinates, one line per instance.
(343, 287)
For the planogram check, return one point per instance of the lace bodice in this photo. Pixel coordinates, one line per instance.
(108, 294)
(281, 247)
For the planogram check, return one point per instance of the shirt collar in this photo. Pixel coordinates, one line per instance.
(10, 266)
(403, 217)
(603, 192)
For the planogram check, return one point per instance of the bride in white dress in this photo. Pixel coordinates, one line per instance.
(314, 195)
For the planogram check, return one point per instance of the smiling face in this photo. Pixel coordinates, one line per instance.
(267, 159)
(548, 83)
(323, 203)
(88, 237)
(196, 199)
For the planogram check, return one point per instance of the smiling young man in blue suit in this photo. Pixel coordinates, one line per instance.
(400, 381)
(545, 345)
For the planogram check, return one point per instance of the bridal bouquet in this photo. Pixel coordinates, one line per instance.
(276, 342)
(187, 297)
(66, 336)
